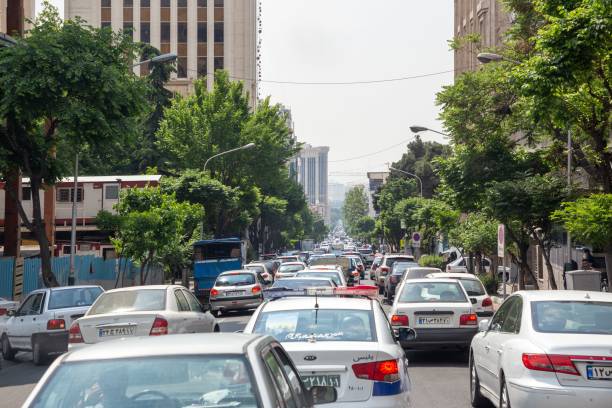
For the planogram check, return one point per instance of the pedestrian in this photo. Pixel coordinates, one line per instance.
(587, 259)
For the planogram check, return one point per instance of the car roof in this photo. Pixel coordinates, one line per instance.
(308, 302)
(453, 275)
(238, 271)
(572, 295)
(200, 343)
(294, 263)
(255, 264)
(399, 256)
(313, 279)
(304, 271)
(65, 288)
(431, 280)
(145, 287)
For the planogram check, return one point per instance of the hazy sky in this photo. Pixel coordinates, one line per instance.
(356, 40)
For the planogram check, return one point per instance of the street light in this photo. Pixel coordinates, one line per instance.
(486, 57)
(418, 129)
(245, 147)
(410, 174)
(169, 57)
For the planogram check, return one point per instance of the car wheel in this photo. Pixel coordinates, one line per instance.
(38, 356)
(216, 313)
(476, 398)
(7, 351)
(504, 397)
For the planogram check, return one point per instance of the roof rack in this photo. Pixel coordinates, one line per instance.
(361, 291)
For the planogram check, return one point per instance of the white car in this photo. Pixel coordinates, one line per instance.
(41, 323)
(289, 269)
(344, 342)
(6, 305)
(261, 269)
(460, 265)
(335, 275)
(483, 304)
(141, 311)
(545, 349)
(438, 310)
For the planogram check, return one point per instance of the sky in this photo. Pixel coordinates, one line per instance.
(356, 40)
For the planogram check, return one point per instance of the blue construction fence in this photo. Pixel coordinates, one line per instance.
(89, 270)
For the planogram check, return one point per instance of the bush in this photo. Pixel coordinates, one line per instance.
(432, 261)
(490, 282)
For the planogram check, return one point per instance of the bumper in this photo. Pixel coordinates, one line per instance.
(439, 338)
(53, 343)
(524, 394)
(390, 401)
(243, 303)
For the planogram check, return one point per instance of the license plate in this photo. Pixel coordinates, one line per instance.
(433, 320)
(321, 381)
(234, 293)
(599, 372)
(117, 331)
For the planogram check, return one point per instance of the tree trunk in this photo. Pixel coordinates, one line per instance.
(608, 257)
(470, 265)
(38, 226)
(495, 266)
(143, 264)
(479, 263)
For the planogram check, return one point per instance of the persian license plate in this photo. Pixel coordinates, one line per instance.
(433, 320)
(117, 331)
(321, 381)
(234, 293)
(599, 372)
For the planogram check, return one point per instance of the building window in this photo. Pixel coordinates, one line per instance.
(106, 3)
(181, 3)
(66, 195)
(218, 63)
(202, 69)
(105, 13)
(181, 67)
(111, 193)
(165, 32)
(218, 3)
(128, 3)
(312, 187)
(202, 32)
(128, 28)
(164, 3)
(181, 32)
(145, 32)
(202, 3)
(105, 24)
(218, 32)
(26, 194)
(145, 3)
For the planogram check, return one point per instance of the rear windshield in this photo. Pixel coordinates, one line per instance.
(435, 292)
(290, 268)
(572, 317)
(473, 287)
(239, 279)
(130, 301)
(321, 325)
(390, 261)
(301, 283)
(256, 268)
(400, 267)
(416, 273)
(330, 275)
(65, 298)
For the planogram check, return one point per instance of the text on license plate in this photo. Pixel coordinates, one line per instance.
(117, 331)
(599, 372)
(234, 293)
(433, 320)
(321, 380)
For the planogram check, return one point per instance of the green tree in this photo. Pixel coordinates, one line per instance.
(477, 234)
(63, 84)
(365, 228)
(589, 219)
(355, 207)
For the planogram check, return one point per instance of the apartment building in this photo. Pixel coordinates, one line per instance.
(28, 12)
(312, 174)
(376, 179)
(207, 35)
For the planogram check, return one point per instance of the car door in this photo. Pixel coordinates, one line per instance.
(292, 376)
(14, 327)
(186, 321)
(205, 321)
(31, 322)
(275, 371)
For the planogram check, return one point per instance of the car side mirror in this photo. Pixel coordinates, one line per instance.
(483, 325)
(406, 334)
(267, 282)
(11, 313)
(323, 395)
(473, 300)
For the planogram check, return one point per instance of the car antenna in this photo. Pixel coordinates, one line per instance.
(316, 307)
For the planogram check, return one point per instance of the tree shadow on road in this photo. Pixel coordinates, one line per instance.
(438, 358)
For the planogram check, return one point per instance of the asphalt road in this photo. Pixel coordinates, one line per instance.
(439, 378)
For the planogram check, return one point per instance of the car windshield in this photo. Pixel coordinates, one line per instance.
(473, 287)
(390, 261)
(320, 325)
(416, 273)
(177, 381)
(73, 297)
(256, 268)
(239, 279)
(572, 317)
(399, 268)
(290, 268)
(302, 283)
(335, 276)
(435, 292)
(129, 301)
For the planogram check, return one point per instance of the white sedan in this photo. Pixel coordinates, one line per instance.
(545, 349)
(483, 304)
(344, 342)
(141, 311)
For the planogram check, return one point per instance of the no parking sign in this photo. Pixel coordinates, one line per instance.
(416, 239)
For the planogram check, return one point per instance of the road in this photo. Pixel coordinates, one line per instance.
(440, 379)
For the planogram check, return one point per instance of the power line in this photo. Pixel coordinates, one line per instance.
(371, 154)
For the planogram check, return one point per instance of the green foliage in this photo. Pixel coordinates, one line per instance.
(432, 261)
(477, 233)
(589, 219)
(490, 282)
(354, 209)
(365, 228)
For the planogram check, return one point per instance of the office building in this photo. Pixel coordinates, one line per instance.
(376, 179)
(28, 13)
(312, 174)
(207, 35)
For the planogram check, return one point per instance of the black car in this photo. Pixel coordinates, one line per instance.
(397, 272)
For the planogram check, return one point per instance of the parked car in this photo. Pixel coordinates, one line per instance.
(262, 269)
(193, 370)
(289, 269)
(375, 264)
(385, 267)
(6, 305)
(368, 255)
(152, 310)
(237, 290)
(335, 275)
(483, 304)
(289, 258)
(398, 272)
(438, 310)
(41, 323)
(545, 349)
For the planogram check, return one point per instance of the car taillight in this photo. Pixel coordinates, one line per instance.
(160, 327)
(553, 363)
(448, 268)
(487, 302)
(399, 320)
(2, 311)
(468, 320)
(387, 371)
(214, 292)
(256, 290)
(384, 269)
(56, 324)
(74, 334)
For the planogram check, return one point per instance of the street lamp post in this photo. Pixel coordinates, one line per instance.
(163, 58)
(245, 147)
(486, 57)
(410, 174)
(418, 129)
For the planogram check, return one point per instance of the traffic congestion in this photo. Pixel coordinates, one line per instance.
(324, 327)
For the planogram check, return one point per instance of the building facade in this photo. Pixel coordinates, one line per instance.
(312, 174)
(206, 35)
(28, 13)
(488, 19)
(376, 179)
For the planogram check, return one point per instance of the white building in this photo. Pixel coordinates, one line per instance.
(28, 12)
(312, 174)
(205, 34)
(375, 180)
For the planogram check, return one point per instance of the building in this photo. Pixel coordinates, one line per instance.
(205, 34)
(376, 179)
(488, 19)
(336, 193)
(312, 174)
(28, 13)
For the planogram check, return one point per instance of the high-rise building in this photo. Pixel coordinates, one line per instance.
(312, 174)
(205, 34)
(28, 13)
(488, 19)
(376, 179)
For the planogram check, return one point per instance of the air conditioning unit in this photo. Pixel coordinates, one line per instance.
(583, 280)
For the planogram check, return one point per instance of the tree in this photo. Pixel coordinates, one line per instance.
(477, 233)
(589, 219)
(63, 84)
(355, 207)
(365, 228)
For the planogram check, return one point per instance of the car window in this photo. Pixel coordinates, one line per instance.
(73, 297)
(194, 304)
(181, 302)
(390, 261)
(331, 275)
(29, 305)
(294, 379)
(256, 268)
(435, 292)
(572, 316)
(290, 268)
(473, 287)
(277, 376)
(415, 273)
(235, 279)
(292, 283)
(500, 316)
(512, 322)
(129, 301)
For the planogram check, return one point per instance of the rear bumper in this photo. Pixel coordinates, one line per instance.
(239, 303)
(53, 343)
(439, 338)
(389, 401)
(524, 394)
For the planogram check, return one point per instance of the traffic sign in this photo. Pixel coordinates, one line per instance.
(501, 240)
(416, 239)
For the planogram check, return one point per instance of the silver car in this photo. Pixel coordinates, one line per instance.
(192, 370)
(237, 290)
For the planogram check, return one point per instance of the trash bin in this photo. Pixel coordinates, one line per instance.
(584, 280)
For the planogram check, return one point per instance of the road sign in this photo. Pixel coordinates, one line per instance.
(416, 239)
(501, 240)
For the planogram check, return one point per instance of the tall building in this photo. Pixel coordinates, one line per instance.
(205, 34)
(28, 12)
(376, 179)
(312, 174)
(484, 17)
